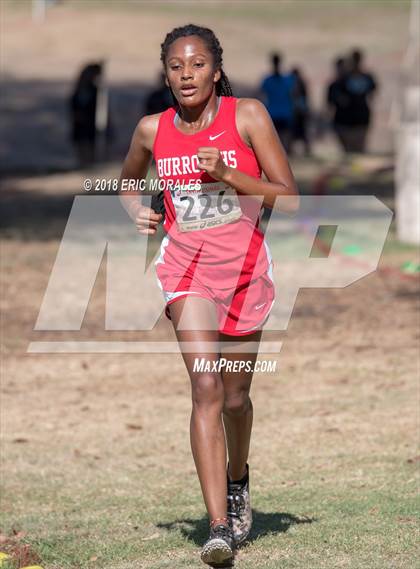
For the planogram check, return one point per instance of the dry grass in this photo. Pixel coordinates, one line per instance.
(97, 469)
(96, 459)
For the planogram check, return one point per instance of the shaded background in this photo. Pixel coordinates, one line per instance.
(41, 60)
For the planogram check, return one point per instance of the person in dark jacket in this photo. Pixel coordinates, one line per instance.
(359, 86)
(349, 96)
(338, 101)
(83, 104)
(300, 111)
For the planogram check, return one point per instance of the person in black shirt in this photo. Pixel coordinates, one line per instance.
(359, 86)
(337, 100)
(159, 99)
(83, 104)
(349, 97)
(300, 99)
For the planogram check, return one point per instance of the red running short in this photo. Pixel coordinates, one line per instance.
(239, 312)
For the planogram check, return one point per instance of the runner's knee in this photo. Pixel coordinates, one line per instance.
(207, 391)
(236, 404)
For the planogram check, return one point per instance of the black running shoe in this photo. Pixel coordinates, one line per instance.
(239, 509)
(219, 549)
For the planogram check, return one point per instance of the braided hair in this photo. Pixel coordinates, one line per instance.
(223, 86)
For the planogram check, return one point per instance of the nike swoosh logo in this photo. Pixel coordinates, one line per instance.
(216, 135)
(260, 305)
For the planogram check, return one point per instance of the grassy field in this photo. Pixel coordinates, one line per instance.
(97, 471)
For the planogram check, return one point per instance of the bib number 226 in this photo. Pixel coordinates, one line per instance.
(205, 210)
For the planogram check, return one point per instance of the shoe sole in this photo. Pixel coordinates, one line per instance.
(217, 551)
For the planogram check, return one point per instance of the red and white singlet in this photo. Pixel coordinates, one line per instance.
(213, 245)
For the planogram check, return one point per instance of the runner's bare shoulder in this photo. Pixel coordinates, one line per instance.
(249, 113)
(251, 109)
(146, 130)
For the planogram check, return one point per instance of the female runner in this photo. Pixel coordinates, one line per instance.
(214, 269)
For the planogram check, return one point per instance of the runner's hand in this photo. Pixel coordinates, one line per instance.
(147, 220)
(210, 160)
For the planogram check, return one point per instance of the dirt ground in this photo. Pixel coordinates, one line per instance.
(90, 441)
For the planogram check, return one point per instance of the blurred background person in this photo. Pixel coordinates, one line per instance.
(338, 101)
(301, 112)
(349, 96)
(89, 115)
(159, 99)
(359, 86)
(277, 94)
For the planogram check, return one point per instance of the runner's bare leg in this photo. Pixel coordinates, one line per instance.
(207, 434)
(238, 409)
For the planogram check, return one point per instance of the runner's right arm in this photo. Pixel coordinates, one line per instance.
(135, 167)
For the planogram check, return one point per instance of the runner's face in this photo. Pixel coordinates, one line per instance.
(190, 71)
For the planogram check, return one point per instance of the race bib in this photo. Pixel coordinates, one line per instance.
(214, 204)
